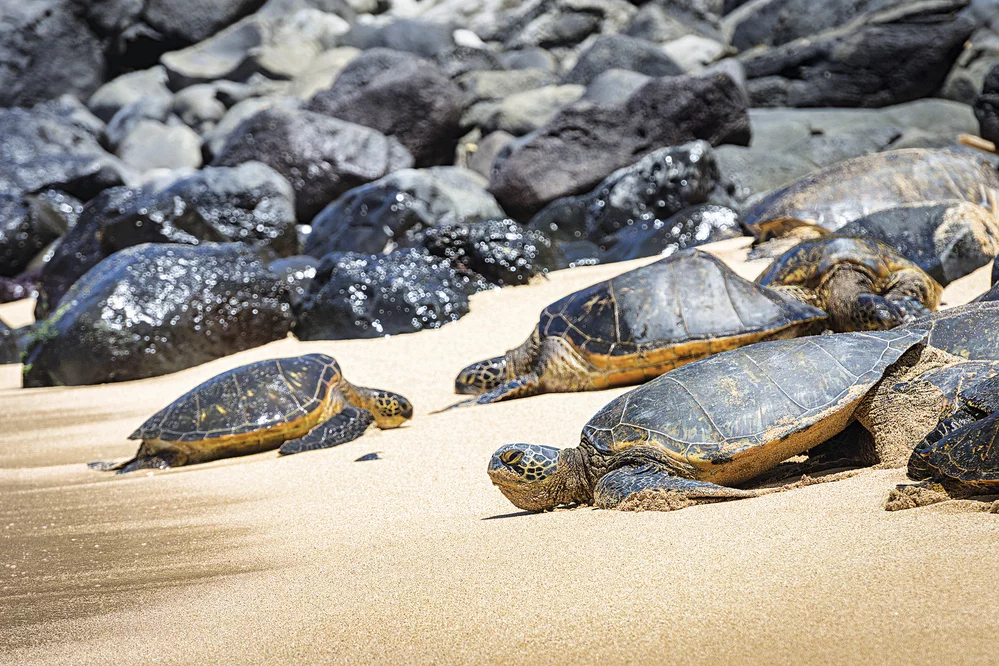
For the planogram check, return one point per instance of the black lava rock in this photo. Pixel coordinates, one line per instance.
(583, 145)
(690, 227)
(42, 150)
(402, 97)
(622, 52)
(15, 289)
(884, 57)
(155, 309)
(250, 203)
(500, 250)
(987, 106)
(780, 21)
(297, 273)
(367, 296)
(321, 157)
(10, 349)
(423, 38)
(47, 49)
(661, 184)
(377, 217)
(29, 224)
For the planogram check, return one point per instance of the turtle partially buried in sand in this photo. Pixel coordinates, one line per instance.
(637, 326)
(298, 404)
(960, 457)
(697, 431)
(863, 284)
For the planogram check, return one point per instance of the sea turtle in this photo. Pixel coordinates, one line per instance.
(970, 331)
(829, 198)
(637, 326)
(298, 404)
(960, 458)
(711, 424)
(862, 284)
(947, 240)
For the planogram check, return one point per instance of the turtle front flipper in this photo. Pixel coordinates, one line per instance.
(163, 460)
(522, 387)
(649, 487)
(482, 376)
(341, 428)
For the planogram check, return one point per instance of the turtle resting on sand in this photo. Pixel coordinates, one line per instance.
(863, 284)
(960, 458)
(298, 404)
(637, 326)
(828, 199)
(970, 331)
(697, 431)
(947, 240)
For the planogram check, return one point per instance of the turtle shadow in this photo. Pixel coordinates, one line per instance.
(515, 514)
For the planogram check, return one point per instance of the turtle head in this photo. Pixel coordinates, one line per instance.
(538, 478)
(390, 409)
(482, 376)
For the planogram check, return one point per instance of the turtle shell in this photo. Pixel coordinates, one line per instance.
(969, 455)
(970, 331)
(731, 416)
(686, 300)
(806, 263)
(836, 195)
(259, 398)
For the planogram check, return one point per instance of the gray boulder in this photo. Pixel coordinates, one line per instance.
(368, 296)
(118, 93)
(387, 213)
(42, 150)
(402, 97)
(250, 203)
(124, 320)
(583, 145)
(622, 52)
(47, 49)
(321, 157)
(659, 185)
(155, 145)
(882, 58)
(987, 106)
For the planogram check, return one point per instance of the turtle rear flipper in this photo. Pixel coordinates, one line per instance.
(341, 428)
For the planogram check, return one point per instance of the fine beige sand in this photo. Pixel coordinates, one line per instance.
(416, 558)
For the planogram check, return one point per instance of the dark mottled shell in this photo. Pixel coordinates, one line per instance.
(854, 188)
(970, 331)
(249, 398)
(969, 454)
(689, 296)
(806, 263)
(709, 411)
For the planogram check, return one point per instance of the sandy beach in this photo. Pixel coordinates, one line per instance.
(416, 558)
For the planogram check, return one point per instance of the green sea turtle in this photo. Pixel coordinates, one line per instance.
(298, 404)
(637, 326)
(700, 429)
(970, 331)
(863, 284)
(960, 458)
(828, 199)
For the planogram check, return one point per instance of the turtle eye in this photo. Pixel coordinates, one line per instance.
(511, 457)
